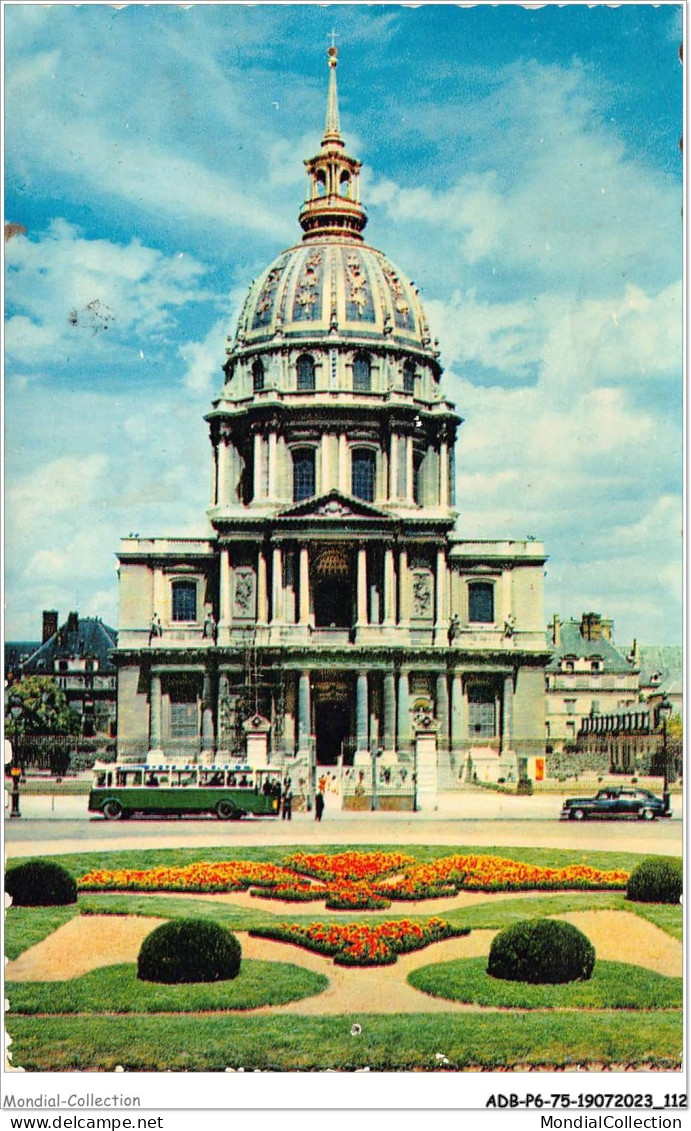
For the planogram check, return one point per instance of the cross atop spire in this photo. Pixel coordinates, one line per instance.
(332, 37)
(332, 130)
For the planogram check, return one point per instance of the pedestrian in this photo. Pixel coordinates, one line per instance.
(287, 809)
(318, 806)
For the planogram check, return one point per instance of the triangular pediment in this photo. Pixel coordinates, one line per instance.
(336, 505)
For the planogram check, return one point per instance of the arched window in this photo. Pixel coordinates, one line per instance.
(305, 371)
(409, 377)
(320, 182)
(258, 375)
(363, 473)
(184, 600)
(303, 474)
(344, 185)
(481, 602)
(362, 373)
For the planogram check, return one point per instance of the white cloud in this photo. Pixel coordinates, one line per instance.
(79, 297)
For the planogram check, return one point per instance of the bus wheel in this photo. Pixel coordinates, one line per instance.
(226, 811)
(112, 810)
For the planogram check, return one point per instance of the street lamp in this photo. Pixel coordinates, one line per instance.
(17, 713)
(665, 713)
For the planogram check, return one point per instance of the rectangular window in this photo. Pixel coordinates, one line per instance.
(184, 600)
(570, 706)
(183, 720)
(481, 720)
(481, 603)
(363, 469)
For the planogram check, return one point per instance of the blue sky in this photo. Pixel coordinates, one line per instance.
(522, 166)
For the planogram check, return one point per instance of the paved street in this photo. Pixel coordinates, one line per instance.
(61, 824)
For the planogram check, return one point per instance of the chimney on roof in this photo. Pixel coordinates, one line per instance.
(73, 622)
(50, 624)
(591, 626)
(556, 631)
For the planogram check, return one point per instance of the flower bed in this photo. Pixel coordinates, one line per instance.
(363, 944)
(358, 880)
(354, 866)
(233, 875)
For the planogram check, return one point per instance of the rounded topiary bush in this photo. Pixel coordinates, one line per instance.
(541, 951)
(658, 879)
(189, 950)
(40, 883)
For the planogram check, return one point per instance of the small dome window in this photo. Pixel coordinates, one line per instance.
(409, 375)
(344, 184)
(362, 373)
(305, 372)
(258, 375)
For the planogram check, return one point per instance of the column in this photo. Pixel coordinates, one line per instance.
(304, 715)
(262, 593)
(328, 478)
(409, 469)
(441, 620)
(272, 464)
(442, 710)
(457, 714)
(362, 586)
(403, 716)
(277, 586)
(393, 466)
(215, 474)
(389, 713)
(226, 577)
(207, 718)
(221, 705)
(361, 711)
(343, 476)
(304, 593)
(258, 451)
(224, 462)
(389, 587)
(403, 611)
(443, 474)
(507, 715)
(155, 729)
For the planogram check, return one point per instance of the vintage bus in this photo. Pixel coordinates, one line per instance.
(231, 792)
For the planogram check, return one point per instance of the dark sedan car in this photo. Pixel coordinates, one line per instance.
(616, 802)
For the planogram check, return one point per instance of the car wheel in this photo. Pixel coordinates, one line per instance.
(577, 815)
(112, 810)
(226, 811)
(647, 815)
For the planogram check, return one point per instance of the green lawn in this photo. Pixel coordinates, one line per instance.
(117, 989)
(82, 862)
(394, 1042)
(65, 1040)
(613, 985)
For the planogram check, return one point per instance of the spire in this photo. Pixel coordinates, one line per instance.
(332, 208)
(332, 129)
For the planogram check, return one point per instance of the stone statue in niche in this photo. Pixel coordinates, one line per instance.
(422, 595)
(244, 593)
(210, 630)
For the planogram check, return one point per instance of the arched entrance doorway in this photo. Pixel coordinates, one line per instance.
(332, 588)
(333, 718)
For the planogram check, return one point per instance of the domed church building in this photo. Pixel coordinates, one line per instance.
(333, 608)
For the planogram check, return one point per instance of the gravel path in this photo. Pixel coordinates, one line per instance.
(90, 941)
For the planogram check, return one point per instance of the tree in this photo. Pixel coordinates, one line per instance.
(37, 706)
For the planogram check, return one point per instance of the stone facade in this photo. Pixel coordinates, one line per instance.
(334, 597)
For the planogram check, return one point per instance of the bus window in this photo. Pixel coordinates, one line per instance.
(209, 778)
(151, 780)
(137, 777)
(232, 780)
(245, 782)
(120, 778)
(164, 779)
(100, 781)
(109, 780)
(184, 778)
